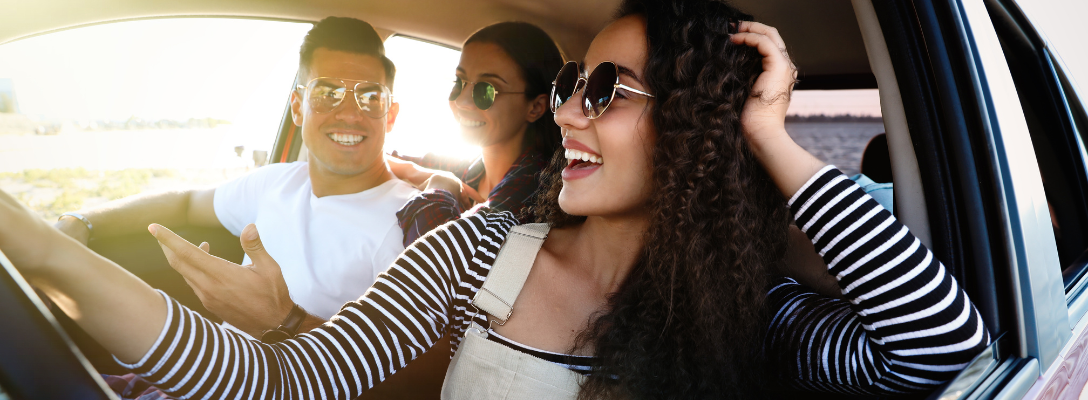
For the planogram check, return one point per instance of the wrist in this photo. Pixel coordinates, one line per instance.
(74, 226)
(287, 329)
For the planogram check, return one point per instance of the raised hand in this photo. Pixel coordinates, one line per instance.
(253, 298)
(764, 117)
(764, 114)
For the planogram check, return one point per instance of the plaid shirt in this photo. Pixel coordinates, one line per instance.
(432, 208)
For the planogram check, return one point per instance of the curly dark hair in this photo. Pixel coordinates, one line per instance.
(688, 322)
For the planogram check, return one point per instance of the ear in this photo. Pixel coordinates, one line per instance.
(537, 108)
(296, 108)
(391, 117)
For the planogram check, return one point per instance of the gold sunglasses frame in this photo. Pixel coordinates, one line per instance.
(385, 90)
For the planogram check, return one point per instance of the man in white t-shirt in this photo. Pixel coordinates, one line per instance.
(331, 222)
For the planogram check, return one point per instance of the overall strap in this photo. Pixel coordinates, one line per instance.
(510, 270)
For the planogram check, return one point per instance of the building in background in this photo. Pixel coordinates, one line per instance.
(8, 102)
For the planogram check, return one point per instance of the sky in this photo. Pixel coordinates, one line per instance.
(242, 70)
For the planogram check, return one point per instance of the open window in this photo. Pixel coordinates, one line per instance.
(1052, 110)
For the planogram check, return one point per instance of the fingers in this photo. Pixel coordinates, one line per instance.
(471, 193)
(774, 57)
(252, 245)
(765, 30)
(182, 255)
(206, 247)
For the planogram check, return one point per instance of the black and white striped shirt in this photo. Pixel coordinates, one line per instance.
(905, 324)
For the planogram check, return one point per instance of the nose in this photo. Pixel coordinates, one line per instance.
(464, 100)
(348, 110)
(569, 115)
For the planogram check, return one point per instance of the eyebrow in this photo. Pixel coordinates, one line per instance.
(484, 75)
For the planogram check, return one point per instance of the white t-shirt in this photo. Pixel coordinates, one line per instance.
(331, 248)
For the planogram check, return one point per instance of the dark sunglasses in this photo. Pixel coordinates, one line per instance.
(483, 93)
(600, 88)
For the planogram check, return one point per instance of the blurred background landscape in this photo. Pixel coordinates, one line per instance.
(98, 113)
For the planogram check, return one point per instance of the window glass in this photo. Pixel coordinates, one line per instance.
(1061, 22)
(836, 126)
(425, 73)
(92, 114)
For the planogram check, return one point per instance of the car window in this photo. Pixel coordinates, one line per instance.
(425, 73)
(1051, 110)
(837, 125)
(96, 113)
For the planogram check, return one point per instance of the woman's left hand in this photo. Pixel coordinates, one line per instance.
(764, 115)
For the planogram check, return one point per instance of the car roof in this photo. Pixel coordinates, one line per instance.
(823, 36)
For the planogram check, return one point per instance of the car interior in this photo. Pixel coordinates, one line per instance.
(932, 150)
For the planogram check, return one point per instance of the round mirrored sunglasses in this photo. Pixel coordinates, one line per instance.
(483, 93)
(600, 88)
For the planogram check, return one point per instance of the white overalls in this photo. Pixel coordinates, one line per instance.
(485, 370)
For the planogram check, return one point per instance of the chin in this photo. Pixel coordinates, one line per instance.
(473, 137)
(574, 204)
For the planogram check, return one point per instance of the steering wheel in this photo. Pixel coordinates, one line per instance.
(37, 359)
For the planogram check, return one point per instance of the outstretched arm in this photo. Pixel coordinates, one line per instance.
(94, 291)
(401, 316)
(132, 214)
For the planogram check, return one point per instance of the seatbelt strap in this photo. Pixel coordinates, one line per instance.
(500, 290)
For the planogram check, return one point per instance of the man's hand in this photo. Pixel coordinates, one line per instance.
(74, 228)
(253, 298)
(426, 179)
(447, 181)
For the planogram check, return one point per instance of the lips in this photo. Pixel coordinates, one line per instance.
(346, 139)
(583, 161)
(470, 123)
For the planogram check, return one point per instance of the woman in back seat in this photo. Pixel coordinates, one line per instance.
(499, 98)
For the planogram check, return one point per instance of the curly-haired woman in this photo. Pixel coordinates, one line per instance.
(648, 280)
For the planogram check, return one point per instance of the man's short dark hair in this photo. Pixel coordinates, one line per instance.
(349, 35)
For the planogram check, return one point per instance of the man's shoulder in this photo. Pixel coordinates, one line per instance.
(293, 173)
(299, 168)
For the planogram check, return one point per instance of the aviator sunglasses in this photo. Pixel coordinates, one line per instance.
(483, 93)
(325, 94)
(600, 88)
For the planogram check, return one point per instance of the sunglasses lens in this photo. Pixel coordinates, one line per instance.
(564, 86)
(456, 92)
(325, 95)
(600, 87)
(483, 94)
(373, 100)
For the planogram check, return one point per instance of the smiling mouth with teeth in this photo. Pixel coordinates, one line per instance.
(346, 139)
(469, 122)
(580, 159)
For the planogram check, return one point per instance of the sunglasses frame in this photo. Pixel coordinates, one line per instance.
(385, 90)
(581, 83)
(472, 93)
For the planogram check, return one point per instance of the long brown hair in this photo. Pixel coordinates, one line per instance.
(539, 59)
(688, 321)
